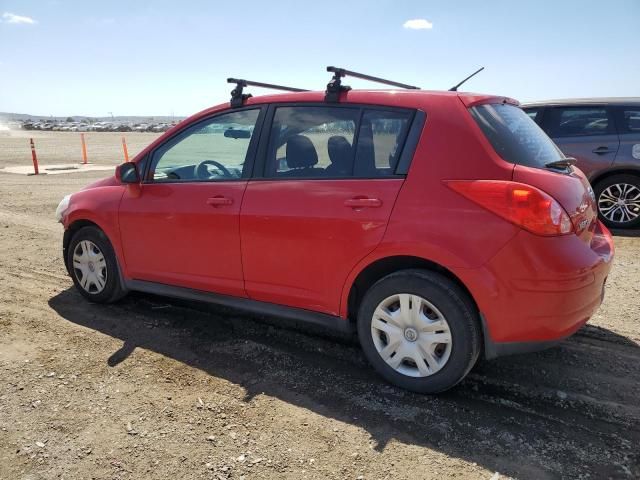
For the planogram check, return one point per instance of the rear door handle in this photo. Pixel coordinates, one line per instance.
(363, 203)
(219, 201)
(601, 150)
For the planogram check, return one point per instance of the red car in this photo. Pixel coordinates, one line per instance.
(440, 226)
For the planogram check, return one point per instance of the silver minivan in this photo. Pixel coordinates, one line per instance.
(603, 135)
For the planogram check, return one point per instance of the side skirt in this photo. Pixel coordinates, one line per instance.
(330, 322)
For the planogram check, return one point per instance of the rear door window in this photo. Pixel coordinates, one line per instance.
(379, 142)
(304, 140)
(579, 121)
(515, 136)
(335, 142)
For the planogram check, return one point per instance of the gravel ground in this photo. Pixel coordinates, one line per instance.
(153, 388)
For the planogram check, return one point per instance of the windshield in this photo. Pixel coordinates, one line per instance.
(515, 136)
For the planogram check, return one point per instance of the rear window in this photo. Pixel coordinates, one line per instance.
(515, 136)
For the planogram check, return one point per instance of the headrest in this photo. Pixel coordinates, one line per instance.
(339, 148)
(300, 152)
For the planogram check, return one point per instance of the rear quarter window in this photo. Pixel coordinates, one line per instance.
(631, 120)
(515, 136)
(534, 114)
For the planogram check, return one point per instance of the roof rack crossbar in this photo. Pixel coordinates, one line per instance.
(238, 97)
(334, 87)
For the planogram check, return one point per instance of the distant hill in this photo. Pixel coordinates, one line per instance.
(9, 116)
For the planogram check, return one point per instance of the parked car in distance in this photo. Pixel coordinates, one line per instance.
(439, 226)
(85, 126)
(603, 135)
(141, 127)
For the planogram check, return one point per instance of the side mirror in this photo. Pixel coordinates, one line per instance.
(127, 173)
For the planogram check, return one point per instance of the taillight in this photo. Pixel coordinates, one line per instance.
(521, 204)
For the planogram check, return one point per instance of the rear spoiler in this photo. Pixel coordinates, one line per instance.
(473, 99)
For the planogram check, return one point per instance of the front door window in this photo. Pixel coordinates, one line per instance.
(212, 150)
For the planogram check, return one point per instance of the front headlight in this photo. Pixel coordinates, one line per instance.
(62, 207)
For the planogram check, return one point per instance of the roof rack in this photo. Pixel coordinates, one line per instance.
(335, 87)
(238, 98)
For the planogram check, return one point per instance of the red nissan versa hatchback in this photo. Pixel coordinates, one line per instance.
(438, 225)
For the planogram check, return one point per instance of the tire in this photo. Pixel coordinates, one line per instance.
(622, 186)
(440, 299)
(96, 275)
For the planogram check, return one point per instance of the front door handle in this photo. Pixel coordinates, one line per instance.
(601, 150)
(219, 201)
(363, 203)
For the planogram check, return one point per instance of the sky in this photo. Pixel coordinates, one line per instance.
(173, 57)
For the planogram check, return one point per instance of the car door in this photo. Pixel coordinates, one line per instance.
(586, 133)
(628, 123)
(182, 226)
(323, 201)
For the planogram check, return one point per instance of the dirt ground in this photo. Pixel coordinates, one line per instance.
(66, 147)
(153, 388)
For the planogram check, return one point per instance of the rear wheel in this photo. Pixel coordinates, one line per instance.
(618, 199)
(93, 266)
(419, 330)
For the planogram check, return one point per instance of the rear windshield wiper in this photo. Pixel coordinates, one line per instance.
(562, 164)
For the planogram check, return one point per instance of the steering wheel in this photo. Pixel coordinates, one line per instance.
(202, 172)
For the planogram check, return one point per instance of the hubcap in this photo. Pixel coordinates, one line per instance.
(90, 267)
(620, 203)
(411, 335)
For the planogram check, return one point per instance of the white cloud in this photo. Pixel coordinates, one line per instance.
(418, 24)
(13, 18)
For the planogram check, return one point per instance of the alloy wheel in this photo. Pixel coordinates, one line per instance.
(620, 203)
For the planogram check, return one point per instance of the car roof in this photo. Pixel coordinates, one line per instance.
(389, 98)
(585, 101)
(381, 96)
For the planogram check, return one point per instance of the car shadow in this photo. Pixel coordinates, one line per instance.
(530, 416)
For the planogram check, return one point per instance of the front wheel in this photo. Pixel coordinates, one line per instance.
(618, 198)
(93, 266)
(419, 330)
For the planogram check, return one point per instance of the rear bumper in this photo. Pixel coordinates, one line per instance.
(494, 349)
(537, 291)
